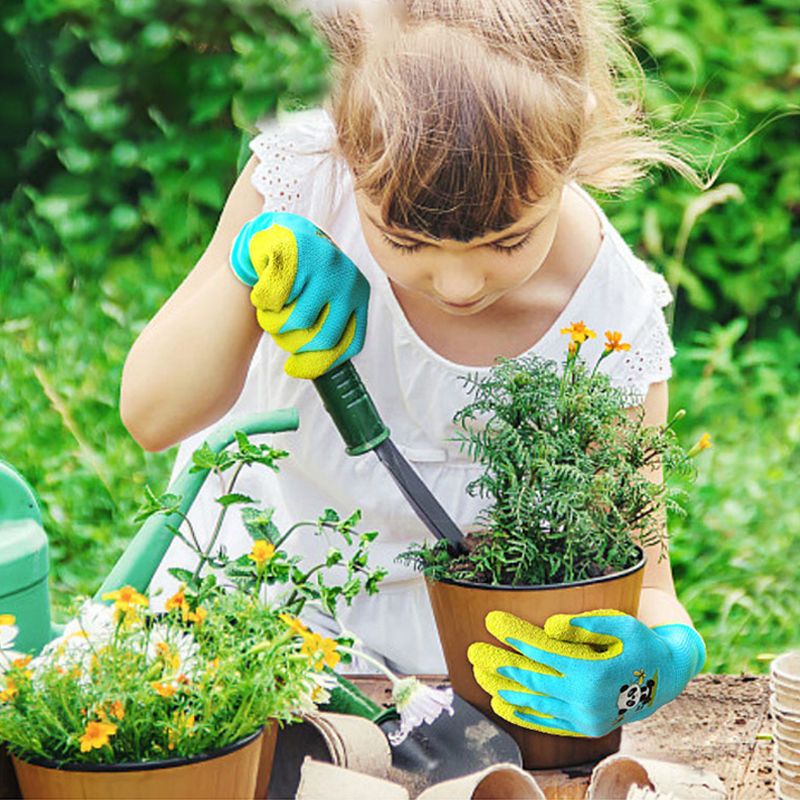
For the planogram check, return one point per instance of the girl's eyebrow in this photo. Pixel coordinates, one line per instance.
(408, 237)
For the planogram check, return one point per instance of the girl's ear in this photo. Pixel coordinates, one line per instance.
(590, 103)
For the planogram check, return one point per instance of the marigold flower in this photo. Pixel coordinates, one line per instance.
(96, 735)
(614, 343)
(579, 332)
(197, 616)
(262, 552)
(10, 692)
(169, 656)
(126, 600)
(703, 443)
(315, 646)
(294, 623)
(21, 663)
(164, 689)
(178, 600)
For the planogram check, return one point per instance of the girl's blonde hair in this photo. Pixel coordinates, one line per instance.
(454, 115)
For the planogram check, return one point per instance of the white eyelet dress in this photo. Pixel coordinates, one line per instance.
(416, 391)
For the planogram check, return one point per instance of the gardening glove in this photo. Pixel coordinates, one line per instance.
(309, 296)
(584, 674)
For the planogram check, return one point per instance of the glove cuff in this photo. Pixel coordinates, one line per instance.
(239, 258)
(687, 646)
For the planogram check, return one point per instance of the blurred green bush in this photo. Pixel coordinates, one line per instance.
(134, 135)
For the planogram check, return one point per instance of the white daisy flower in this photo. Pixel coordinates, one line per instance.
(417, 704)
(178, 650)
(96, 620)
(318, 692)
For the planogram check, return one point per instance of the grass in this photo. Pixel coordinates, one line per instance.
(63, 343)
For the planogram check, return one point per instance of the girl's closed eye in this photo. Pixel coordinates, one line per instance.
(414, 247)
(403, 247)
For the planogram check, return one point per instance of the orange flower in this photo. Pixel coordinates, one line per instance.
(164, 689)
(195, 616)
(178, 600)
(96, 735)
(21, 663)
(262, 552)
(579, 332)
(169, 655)
(298, 627)
(703, 443)
(126, 600)
(315, 646)
(11, 690)
(614, 343)
(117, 710)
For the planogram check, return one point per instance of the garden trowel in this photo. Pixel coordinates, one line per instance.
(350, 406)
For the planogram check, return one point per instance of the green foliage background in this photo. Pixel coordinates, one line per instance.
(119, 144)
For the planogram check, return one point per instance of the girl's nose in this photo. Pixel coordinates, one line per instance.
(457, 284)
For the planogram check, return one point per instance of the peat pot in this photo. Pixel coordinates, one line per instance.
(229, 772)
(460, 608)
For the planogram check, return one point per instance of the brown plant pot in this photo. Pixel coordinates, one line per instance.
(268, 742)
(229, 772)
(460, 608)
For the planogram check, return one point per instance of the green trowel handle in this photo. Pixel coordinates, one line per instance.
(351, 409)
(141, 559)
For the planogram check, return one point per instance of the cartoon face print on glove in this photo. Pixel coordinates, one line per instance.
(636, 695)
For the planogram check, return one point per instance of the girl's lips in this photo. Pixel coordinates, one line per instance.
(463, 305)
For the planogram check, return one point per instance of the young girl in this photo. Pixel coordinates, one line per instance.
(448, 166)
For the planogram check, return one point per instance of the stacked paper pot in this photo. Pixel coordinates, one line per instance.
(785, 707)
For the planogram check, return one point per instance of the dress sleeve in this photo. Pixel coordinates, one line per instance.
(651, 351)
(296, 169)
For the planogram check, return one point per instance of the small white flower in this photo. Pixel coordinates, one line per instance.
(317, 692)
(178, 650)
(83, 636)
(8, 631)
(97, 621)
(417, 703)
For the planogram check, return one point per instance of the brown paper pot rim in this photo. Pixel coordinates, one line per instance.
(142, 766)
(543, 586)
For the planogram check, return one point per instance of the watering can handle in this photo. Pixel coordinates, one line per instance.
(142, 557)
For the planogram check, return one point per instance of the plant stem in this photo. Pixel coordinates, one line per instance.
(220, 519)
(370, 660)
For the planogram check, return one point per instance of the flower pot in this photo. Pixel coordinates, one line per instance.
(266, 759)
(460, 608)
(229, 772)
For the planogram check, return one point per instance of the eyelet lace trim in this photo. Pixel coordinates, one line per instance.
(648, 361)
(274, 176)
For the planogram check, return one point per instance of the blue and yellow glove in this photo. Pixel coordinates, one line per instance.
(584, 674)
(309, 296)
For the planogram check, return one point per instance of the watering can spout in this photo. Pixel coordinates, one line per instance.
(24, 562)
(142, 557)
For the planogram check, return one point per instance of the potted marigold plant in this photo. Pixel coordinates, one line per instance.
(570, 509)
(128, 703)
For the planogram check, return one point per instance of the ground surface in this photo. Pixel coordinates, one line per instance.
(720, 724)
